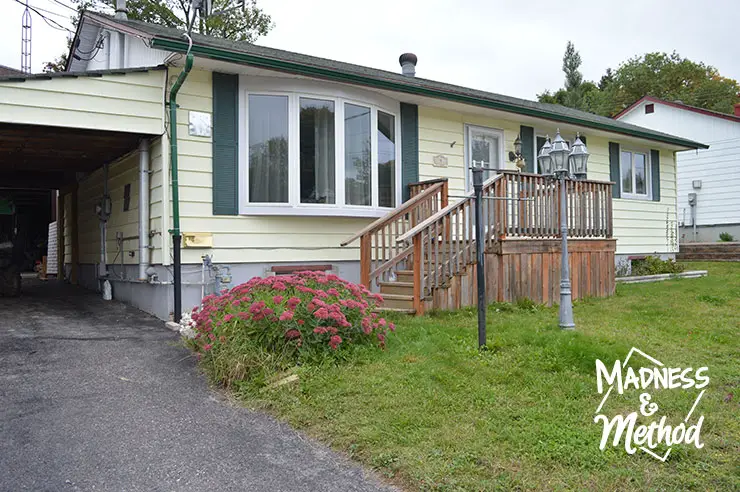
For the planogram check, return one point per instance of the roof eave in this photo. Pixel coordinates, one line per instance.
(359, 79)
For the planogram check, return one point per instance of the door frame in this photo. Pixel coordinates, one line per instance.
(498, 132)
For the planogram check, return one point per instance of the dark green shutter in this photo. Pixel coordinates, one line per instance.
(526, 133)
(655, 173)
(409, 146)
(225, 144)
(614, 168)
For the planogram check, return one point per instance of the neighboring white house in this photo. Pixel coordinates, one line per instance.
(708, 179)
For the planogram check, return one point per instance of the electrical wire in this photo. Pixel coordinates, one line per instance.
(51, 22)
(49, 12)
(64, 5)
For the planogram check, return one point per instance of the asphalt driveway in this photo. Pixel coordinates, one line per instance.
(97, 395)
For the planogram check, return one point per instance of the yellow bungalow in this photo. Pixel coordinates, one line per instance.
(287, 161)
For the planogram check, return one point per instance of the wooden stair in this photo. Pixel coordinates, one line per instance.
(709, 252)
(422, 255)
(398, 296)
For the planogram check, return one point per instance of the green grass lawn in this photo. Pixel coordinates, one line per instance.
(432, 412)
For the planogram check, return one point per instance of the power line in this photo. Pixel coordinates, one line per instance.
(50, 22)
(64, 5)
(50, 12)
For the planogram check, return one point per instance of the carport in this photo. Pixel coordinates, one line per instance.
(57, 129)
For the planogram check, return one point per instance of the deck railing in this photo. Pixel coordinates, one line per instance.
(515, 205)
(380, 250)
(532, 207)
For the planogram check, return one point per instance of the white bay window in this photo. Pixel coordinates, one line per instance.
(318, 150)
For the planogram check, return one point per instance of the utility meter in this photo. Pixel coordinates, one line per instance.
(692, 199)
(104, 208)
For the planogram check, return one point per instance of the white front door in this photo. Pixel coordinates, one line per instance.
(484, 148)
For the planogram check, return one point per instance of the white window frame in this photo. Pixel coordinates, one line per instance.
(648, 175)
(339, 94)
(467, 147)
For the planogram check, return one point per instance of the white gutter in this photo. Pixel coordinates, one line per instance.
(144, 252)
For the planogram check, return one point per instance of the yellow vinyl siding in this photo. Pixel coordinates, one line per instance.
(132, 102)
(639, 225)
(439, 128)
(245, 239)
(90, 191)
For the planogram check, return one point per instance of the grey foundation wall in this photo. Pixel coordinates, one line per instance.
(708, 233)
(158, 298)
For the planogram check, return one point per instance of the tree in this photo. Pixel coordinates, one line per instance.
(666, 76)
(572, 95)
(573, 77)
(239, 20)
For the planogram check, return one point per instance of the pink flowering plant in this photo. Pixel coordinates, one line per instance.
(287, 319)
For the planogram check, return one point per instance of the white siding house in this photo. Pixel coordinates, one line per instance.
(708, 179)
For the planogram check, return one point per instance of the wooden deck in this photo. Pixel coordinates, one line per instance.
(530, 269)
(422, 255)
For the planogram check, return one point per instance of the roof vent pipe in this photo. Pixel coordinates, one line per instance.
(408, 64)
(121, 10)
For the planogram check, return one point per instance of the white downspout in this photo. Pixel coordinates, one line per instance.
(143, 208)
(104, 215)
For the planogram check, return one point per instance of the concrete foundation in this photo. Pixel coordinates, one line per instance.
(707, 233)
(158, 298)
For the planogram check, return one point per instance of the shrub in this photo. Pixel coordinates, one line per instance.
(269, 324)
(726, 237)
(652, 265)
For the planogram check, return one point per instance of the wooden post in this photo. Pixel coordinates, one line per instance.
(418, 262)
(365, 260)
(74, 233)
(444, 201)
(60, 236)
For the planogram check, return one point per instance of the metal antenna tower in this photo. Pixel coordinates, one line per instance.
(26, 41)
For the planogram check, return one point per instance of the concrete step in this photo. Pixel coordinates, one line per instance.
(398, 301)
(402, 288)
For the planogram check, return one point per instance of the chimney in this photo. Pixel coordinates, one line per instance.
(121, 10)
(408, 64)
(737, 109)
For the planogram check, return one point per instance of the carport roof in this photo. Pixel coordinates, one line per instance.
(22, 77)
(48, 157)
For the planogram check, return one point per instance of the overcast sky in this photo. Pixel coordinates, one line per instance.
(509, 47)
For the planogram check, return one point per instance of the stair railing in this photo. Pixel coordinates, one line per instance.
(443, 245)
(380, 251)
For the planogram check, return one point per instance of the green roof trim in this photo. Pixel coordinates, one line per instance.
(369, 81)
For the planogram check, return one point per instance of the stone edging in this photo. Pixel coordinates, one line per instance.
(661, 277)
